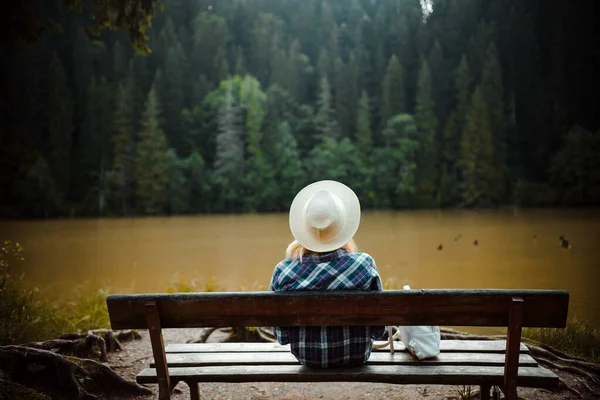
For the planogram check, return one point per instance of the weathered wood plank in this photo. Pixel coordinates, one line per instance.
(463, 346)
(448, 307)
(381, 358)
(398, 374)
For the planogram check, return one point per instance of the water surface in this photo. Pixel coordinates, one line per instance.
(516, 249)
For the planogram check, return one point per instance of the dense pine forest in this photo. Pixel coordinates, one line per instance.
(444, 103)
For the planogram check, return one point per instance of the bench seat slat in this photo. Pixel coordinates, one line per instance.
(380, 358)
(397, 374)
(463, 346)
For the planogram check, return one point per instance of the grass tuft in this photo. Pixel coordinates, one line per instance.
(580, 339)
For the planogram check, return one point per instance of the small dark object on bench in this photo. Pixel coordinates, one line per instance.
(490, 363)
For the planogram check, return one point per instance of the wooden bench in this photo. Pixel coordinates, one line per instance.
(503, 363)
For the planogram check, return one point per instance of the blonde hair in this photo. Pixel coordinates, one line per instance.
(296, 250)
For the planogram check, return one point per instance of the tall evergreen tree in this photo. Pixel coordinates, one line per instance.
(463, 92)
(150, 174)
(393, 99)
(120, 174)
(346, 96)
(229, 159)
(289, 171)
(325, 119)
(427, 125)
(394, 165)
(492, 91)
(209, 53)
(173, 97)
(476, 162)
(364, 134)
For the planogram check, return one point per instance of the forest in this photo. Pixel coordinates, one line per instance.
(240, 103)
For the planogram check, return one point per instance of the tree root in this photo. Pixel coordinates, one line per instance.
(93, 345)
(583, 366)
(14, 391)
(206, 332)
(59, 376)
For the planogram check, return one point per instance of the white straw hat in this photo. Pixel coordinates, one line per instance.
(324, 216)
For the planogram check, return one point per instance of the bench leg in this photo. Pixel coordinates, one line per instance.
(194, 390)
(485, 392)
(510, 392)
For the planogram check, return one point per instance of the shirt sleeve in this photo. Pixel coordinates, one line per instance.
(375, 284)
(280, 333)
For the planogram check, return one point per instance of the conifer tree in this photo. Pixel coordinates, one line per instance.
(492, 91)
(229, 158)
(393, 99)
(463, 92)
(150, 173)
(476, 162)
(120, 174)
(346, 96)
(290, 173)
(364, 134)
(325, 119)
(427, 125)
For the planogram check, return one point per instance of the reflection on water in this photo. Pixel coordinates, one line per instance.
(516, 249)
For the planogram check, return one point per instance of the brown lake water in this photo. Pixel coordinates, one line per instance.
(517, 249)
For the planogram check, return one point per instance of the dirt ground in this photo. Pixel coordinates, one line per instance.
(137, 355)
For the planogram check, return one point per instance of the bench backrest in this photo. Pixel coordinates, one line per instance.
(448, 307)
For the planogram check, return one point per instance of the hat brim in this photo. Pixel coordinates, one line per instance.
(298, 225)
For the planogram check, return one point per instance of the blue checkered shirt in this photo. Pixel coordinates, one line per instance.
(333, 346)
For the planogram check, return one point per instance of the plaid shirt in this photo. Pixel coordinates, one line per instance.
(334, 346)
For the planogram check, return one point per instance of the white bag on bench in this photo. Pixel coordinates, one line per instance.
(422, 341)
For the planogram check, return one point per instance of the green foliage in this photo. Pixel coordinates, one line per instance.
(493, 93)
(476, 161)
(393, 100)
(325, 120)
(210, 37)
(26, 316)
(576, 168)
(149, 163)
(119, 177)
(199, 183)
(177, 196)
(114, 14)
(364, 134)
(254, 101)
(395, 165)
(332, 73)
(289, 171)
(463, 92)
(346, 96)
(580, 338)
(229, 161)
(426, 122)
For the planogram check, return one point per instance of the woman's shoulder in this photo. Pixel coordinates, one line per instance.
(363, 257)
